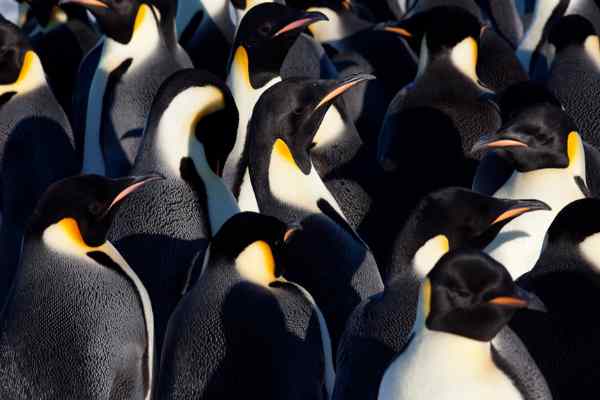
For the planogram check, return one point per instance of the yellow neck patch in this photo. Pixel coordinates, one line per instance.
(426, 294)
(28, 61)
(143, 12)
(241, 64)
(256, 263)
(215, 102)
(281, 149)
(573, 146)
(70, 229)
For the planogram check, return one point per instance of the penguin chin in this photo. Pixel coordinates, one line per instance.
(481, 323)
(531, 159)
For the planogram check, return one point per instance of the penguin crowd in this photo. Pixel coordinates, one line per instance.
(300, 200)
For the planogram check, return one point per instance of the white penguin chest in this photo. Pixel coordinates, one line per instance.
(443, 366)
(519, 243)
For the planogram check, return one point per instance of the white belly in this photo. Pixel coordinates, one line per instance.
(441, 366)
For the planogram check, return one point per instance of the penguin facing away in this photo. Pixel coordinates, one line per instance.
(284, 125)
(464, 303)
(563, 341)
(547, 159)
(264, 37)
(574, 73)
(78, 323)
(119, 78)
(62, 36)
(34, 132)
(379, 328)
(241, 330)
(206, 32)
(164, 226)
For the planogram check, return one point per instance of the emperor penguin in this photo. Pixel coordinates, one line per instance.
(355, 46)
(574, 75)
(445, 220)
(566, 278)
(163, 227)
(334, 266)
(286, 126)
(464, 303)
(62, 35)
(534, 51)
(436, 119)
(546, 157)
(118, 79)
(78, 323)
(205, 31)
(36, 143)
(243, 330)
(263, 39)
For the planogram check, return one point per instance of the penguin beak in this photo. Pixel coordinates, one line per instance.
(86, 3)
(130, 185)
(393, 27)
(520, 207)
(520, 299)
(307, 19)
(502, 140)
(341, 87)
(291, 231)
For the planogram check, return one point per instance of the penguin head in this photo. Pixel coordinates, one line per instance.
(42, 10)
(264, 37)
(193, 107)
(470, 294)
(571, 30)
(537, 133)
(78, 211)
(16, 54)
(118, 19)
(252, 243)
(453, 218)
(441, 32)
(288, 115)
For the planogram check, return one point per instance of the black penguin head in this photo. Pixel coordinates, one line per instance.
(82, 207)
(453, 218)
(288, 115)
(253, 242)
(118, 19)
(470, 294)
(42, 10)
(537, 133)
(571, 30)
(264, 37)
(443, 28)
(575, 223)
(206, 106)
(335, 5)
(15, 53)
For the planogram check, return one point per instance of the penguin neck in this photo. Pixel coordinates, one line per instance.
(245, 97)
(534, 35)
(592, 50)
(288, 186)
(31, 76)
(175, 138)
(144, 42)
(429, 254)
(64, 237)
(341, 25)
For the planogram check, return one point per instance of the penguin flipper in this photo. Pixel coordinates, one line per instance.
(511, 356)
(592, 169)
(492, 174)
(83, 85)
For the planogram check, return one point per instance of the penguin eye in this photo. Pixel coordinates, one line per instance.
(95, 208)
(265, 29)
(298, 110)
